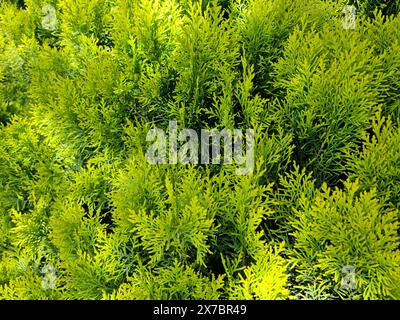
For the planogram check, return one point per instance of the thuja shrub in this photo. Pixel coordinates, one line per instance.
(384, 36)
(16, 48)
(85, 215)
(265, 27)
(367, 7)
(340, 228)
(334, 82)
(376, 166)
(315, 70)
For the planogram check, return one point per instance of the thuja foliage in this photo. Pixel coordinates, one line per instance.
(84, 215)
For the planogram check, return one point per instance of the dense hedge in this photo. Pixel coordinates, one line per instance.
(83, 215)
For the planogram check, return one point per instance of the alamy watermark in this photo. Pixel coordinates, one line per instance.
(349, 278)
(49, 279)
(349, 17)
(188, 146)
(49, 19)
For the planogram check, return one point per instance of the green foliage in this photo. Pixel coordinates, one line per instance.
(174, 282)
(332, 90)
(16, 49)
(377, 166)
(294, 185)
(85, 17)
(384, 35)
(265, 27)
(367, 7)
(84, 215)
(347, 228)
(265, 279)
(207, 51)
